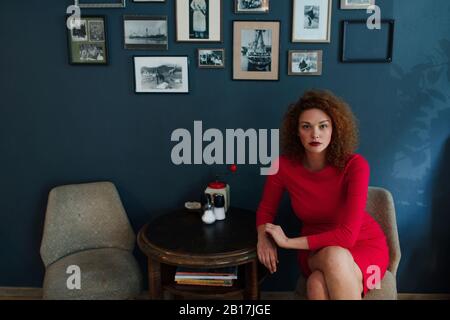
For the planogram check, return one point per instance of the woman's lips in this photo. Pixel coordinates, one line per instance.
(314, 144)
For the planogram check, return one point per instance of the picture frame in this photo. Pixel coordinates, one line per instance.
(211, 58)
(305, 62)
(142, 32)
(373, 45)
(100, 4)
(251, 6)
(87, 45)
(256, 49)
(198, 20)
(161, 74)
(356, 4)
(311, 21)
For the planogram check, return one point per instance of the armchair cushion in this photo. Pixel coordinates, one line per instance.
(107, 273)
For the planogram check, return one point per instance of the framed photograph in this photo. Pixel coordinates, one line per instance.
(372, 45)
(311, 20)
(161, 74)
(211, 58)
(305, 63)
(87, 44)
(145, 32)
(198, 20)
(100, 3)
(251, 6)
(256, 48)
(356, 4)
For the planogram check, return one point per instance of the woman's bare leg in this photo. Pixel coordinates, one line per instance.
(316, 287)
(342, 275)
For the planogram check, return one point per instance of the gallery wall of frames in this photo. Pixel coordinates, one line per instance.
(255, 42)
(101, 102)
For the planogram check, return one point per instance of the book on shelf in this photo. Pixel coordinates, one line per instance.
(227, 273)
(205, 282)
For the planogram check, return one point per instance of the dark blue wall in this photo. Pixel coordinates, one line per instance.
(63, 124)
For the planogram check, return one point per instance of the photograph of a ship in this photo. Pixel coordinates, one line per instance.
(256, 50)
(161, 74)
(148, 33)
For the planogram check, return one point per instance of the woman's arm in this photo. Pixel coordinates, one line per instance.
(271, 197)
(351, 212)
(266, 247)
(283, 241)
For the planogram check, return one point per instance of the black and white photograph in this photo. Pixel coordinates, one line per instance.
(165, 74)
(96, 30)
(87, 44)
(91, 52)
(145, 32)
(251, 6)
(211, 58)
(356, 4)
(305, 62)
(198, 20)
(312, 14)
(90, 4)
(256, 50)
(311, 20)
(80, 34)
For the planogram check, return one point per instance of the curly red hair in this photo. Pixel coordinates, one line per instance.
(344, 138)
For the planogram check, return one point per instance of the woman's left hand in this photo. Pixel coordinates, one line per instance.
(277, 234)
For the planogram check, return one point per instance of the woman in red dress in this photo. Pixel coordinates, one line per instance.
(341, 247)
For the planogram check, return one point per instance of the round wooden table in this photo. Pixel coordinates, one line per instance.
(180, 238)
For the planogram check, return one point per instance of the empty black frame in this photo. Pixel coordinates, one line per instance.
(346, 57)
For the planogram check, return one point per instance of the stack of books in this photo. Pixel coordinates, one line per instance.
(222, 277)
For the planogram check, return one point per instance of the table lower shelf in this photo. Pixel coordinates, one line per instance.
(204, 292)
(236, 291)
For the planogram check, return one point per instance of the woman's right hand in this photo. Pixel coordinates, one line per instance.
(267, 250)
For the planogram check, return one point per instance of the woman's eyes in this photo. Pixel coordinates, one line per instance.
(322, 126)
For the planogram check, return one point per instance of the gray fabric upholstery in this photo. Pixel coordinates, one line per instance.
(387, 291)
(105, 274)
(86, 225)
(84, 216)
(380, 205)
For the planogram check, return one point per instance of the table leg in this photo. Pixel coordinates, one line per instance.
(251, 281)
(154, 279)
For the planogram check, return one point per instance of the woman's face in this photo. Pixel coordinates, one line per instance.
(314, 129)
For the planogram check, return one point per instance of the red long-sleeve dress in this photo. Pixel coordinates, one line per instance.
(331, 205)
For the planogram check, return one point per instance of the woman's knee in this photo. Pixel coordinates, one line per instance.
(332, 258)
(316, 287)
